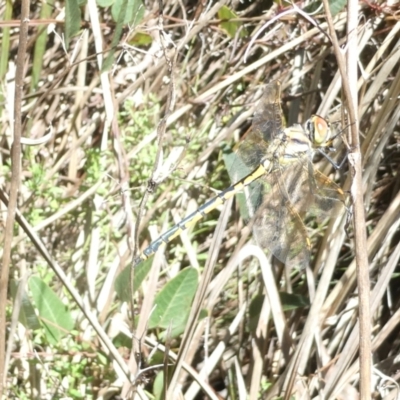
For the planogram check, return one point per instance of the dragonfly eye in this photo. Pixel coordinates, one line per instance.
(319, 130)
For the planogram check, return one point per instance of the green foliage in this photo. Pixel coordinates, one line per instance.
(72, 20)
(105, 3)
(51, 195)
(173, 303)
(36, 180)
(54, 315)
(5, 42)
(289, 302)
(231, 27)
(27, 315)
(124, 12)
(95, 166)
(292, 301)
(132, 11)
(237, 170)
(139, 122)
(158, 387)
(80, 370)
(141, 39)
(40, 45)
(337, 6)
(122, 283)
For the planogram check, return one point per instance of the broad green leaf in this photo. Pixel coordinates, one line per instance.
(238, 170)
(231, 27)
(158, 386)
(132, 12)
(281, 398)
(122, 285)
(27, 315)
(124, 12)
(121, 340)
(255, 311)
(105, 3)
(54, 315)
(72, 20)
(173, 303)
(289, 302)
(336, 6)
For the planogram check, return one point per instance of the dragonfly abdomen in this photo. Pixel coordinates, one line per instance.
(201, 212)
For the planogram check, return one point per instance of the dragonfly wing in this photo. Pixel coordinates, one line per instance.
(249, 154)
(326, 194)
(267, 119)
(289, 194)
(308, 190)
(283, 233)
(267, 126)
(277, 224)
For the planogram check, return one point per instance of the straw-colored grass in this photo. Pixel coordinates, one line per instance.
(110, 160)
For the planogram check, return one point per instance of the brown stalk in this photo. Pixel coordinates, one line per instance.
(348, 73)
(15, 182)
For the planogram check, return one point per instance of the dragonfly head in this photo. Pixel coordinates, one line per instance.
(319, 131)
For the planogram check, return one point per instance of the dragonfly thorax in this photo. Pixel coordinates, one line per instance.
(296, 145)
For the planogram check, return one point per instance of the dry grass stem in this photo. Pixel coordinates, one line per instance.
(111, 138)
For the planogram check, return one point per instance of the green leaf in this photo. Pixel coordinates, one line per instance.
(121, 340)
(5, 53)
(141, 39)
(119, 18)
(105, 3)
(231, 27)
(123, 12)
(173, 303)
(27, 315)
(336, 6)
(72, 20)
(291, 301)
(122, 285)
(54, 315)
(158, 385)
(238, 170)
(132, 12)
(255, 311)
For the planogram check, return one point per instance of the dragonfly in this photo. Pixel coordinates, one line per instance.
(274, 169)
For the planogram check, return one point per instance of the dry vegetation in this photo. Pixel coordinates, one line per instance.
(146, 142)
